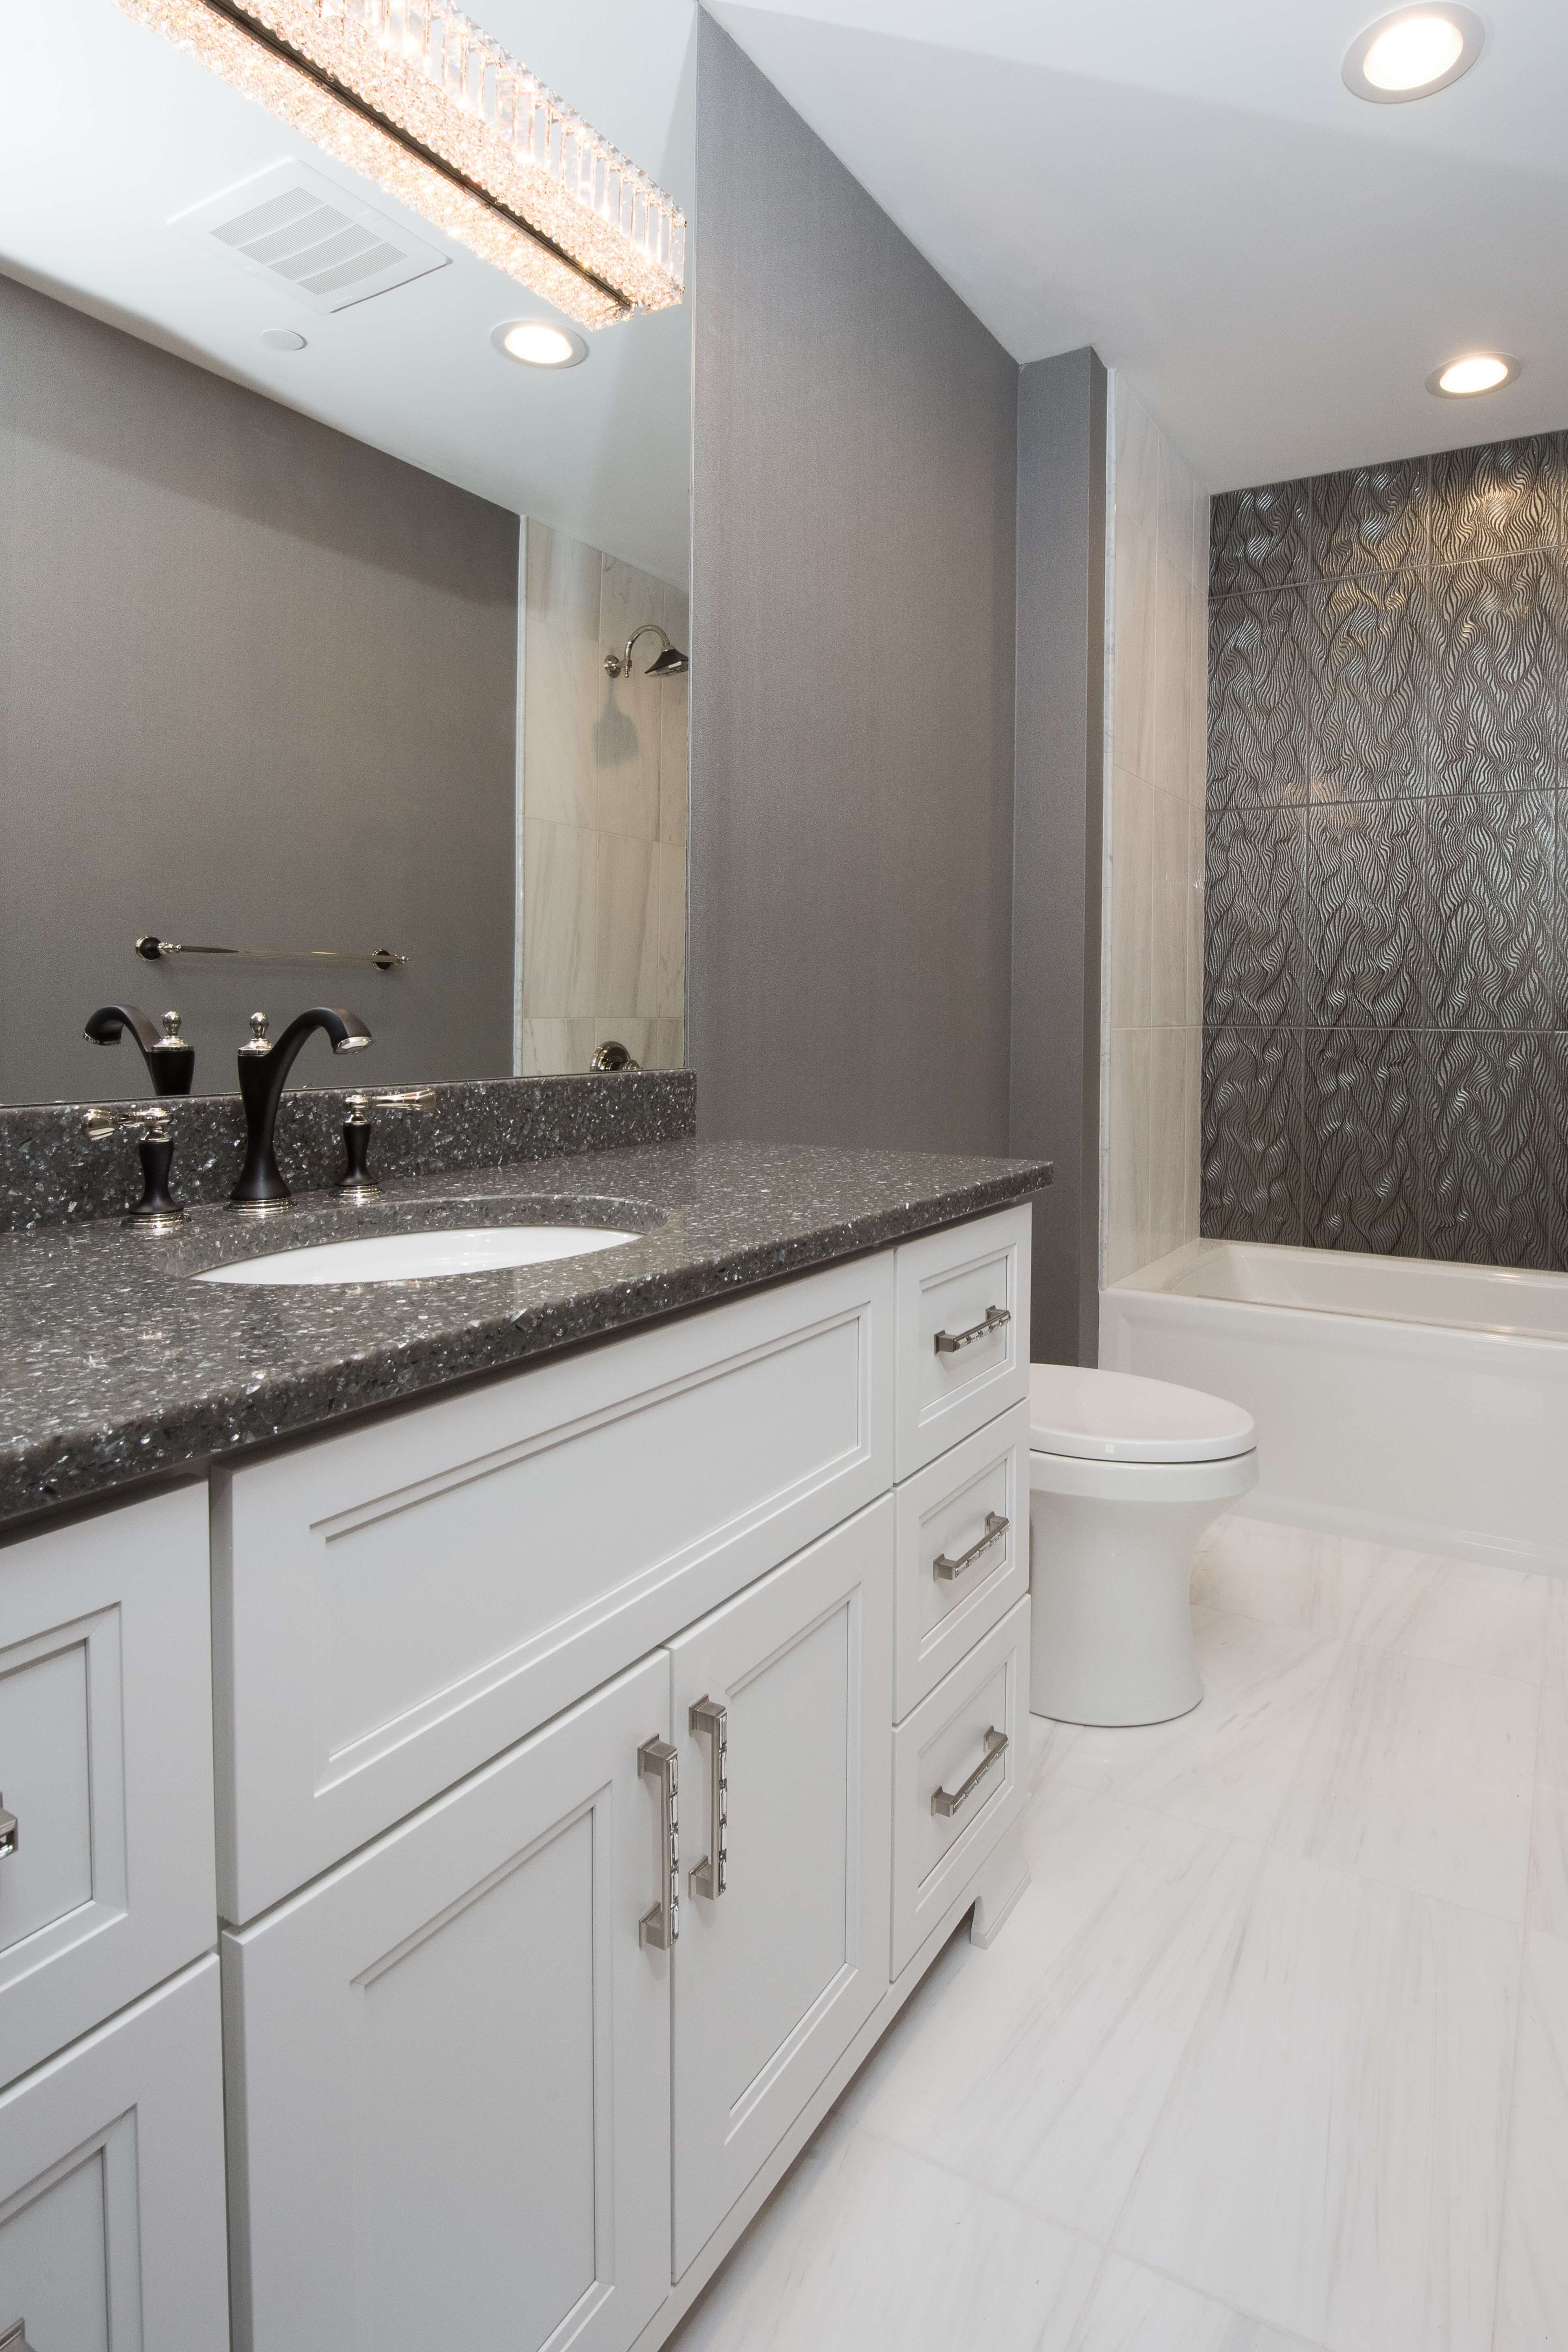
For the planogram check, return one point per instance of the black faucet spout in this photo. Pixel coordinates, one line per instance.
(263, 1067)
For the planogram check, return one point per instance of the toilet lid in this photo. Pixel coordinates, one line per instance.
(1119, 1417)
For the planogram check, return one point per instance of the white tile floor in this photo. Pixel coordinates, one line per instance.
(1274, 2052)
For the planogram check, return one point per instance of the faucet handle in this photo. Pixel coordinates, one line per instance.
(395, 1098)
(156, 1211)
(356, 1184)
(259, 1041)
(99, 1124)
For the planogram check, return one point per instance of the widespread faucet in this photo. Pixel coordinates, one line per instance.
(263, 1067)
(171, 1061)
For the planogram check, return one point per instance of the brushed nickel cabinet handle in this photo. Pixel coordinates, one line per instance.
(16, 2337)
(10, 1839)
(658, 1760)
(948, 1343)
(947, 1801)
(945, 1569)
(712, 1873)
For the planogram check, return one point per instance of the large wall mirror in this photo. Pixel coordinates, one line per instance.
(311, 591)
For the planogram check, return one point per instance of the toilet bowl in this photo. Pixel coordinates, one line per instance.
(1125, 1474)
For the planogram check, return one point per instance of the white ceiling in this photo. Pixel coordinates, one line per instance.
(1274, 265)
(106, 132)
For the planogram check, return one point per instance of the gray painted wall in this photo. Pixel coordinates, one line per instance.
(1057, 879)
(852, 675)
(257, 687)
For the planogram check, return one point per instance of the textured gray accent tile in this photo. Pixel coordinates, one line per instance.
(1260, 538)
(1253, 906)
(1492, 1149)
(1489, 912)
(1251, 1135)
(1371, 520)
(1496, 662)
(1360, 1147)
(1258, 702)
(1498, 499)
(1367, 698)
(1365, 907)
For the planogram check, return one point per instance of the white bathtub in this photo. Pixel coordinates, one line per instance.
(1412, 1403)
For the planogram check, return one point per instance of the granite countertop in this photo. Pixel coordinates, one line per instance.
(116, 1366)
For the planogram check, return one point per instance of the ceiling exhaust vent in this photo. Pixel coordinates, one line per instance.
(299, 233)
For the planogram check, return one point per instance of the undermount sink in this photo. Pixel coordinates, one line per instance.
(419, 1257)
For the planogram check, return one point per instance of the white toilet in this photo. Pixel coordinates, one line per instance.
(1124, 1475)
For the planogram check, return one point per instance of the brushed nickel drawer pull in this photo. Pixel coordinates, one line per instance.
(658, 1760)
(712, 1873)
(948, 1343)
(945, 1569)
(947, 1801)
(10, 1839)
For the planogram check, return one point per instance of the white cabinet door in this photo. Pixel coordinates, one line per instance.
(792, 1686)
(449, 2066)
(111, 2222)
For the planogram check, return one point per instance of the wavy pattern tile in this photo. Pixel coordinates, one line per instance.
(1365, 906)
(1491, 1161)
(1503, 498)
(1361, 1140)
(1370, 521)
(1496, 666)
(1253, 901)
(1260, 538)
(1366, 665)
(1251, 1135)
(1489, 911)
(1259, 702)
(1386, 950)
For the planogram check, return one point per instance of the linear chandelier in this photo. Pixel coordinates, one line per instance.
(419, 99)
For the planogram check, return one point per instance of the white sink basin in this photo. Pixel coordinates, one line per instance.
(416, 1257)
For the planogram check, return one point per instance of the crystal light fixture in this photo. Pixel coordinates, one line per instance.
(419, 99)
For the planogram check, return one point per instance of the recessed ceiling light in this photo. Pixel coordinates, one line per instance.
(282, 339)
(1475, 372)
(1413, 53)
(539, 342)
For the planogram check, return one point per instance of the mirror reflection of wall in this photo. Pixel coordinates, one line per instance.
(307, 590)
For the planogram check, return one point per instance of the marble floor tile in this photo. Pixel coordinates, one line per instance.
(1533, 2285)
(1420, 1775)
(1333, 2158)
(866, 2248)
(1134, 2310)
(1039, 2069)
(1288, 1576)
(1491, 1618)
(1228, 1764)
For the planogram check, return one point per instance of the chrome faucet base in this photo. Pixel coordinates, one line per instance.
(154, 1221)
(358, 1196)
(261, 1208)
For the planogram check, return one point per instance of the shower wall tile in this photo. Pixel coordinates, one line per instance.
(1128, 1239)
(1495, 663)
(1367, 707)
(1364, 901)
(1170, 891)
(1431, 927)
(563, 690)
(1258, 699)
(627, 927)
(1492, 1151)
(1372, 522)
(1251, 1135)
(1361, 1140)
(1134, 645)
(1132, 896)
(1254, 892)
(1503, 498)
(1173, 603)
(1490, 910)
(561, 880)
(669, 891)
(1260, 538)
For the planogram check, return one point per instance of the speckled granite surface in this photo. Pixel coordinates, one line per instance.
(115, 1365)
(52, 1175)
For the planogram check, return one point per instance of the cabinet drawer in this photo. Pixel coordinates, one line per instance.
(964, 1332)
(964, 1552)
(396, 1605)
(106, 1765)
(111, 2212)
(937, 1752)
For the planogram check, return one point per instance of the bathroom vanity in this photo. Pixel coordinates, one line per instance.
(592, 1757)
